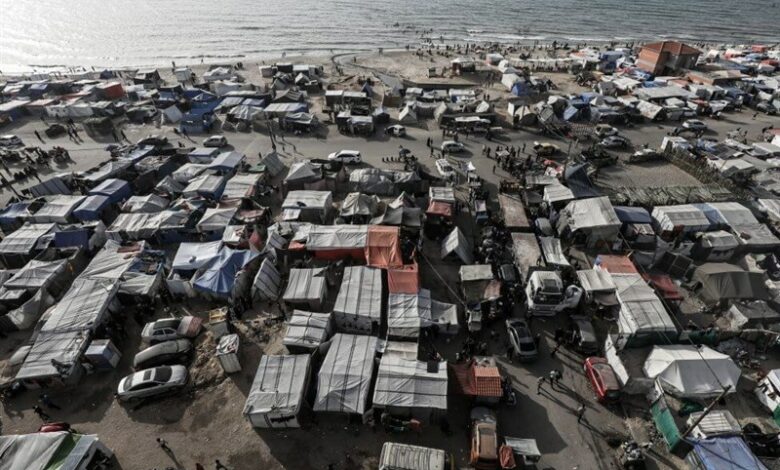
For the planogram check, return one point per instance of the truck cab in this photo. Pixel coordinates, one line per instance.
(546, 295)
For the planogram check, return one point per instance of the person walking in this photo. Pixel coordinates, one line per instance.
(41, 414)
(558, 377)
(164, 445)
(551, 378)
(38, 135)
(580, 412)
(539, 384)
(124, 137)
(494, 169)
(218, 465)
(46, 401)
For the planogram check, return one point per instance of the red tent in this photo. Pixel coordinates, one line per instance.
(383, 248)
(615, 264)
(404, 279)
(664, 286)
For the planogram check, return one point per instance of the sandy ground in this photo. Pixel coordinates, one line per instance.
(205, 423)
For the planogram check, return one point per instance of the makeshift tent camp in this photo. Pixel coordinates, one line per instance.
(216, 219)
(188, 259)
(643, 319)
(692, 371)
(720, 281)
(207, 186)
(51, 450)
(36, 275)
(358, 307)
(338, 241)
(141, 225)
(57, 209)
(457, 243)
(556, 194)
(278, 391)
(357, 204)
(756, 238)
(226, 163)
(272, 164)
(311, 206)
(594, 218)
(411, 387)
(306, 331)
(478, 284)
(727, 214)
(268, 282)
(219, 277)
(187, 172)
(17, 246)
(116, 190)
(684, 217)
(409, 457)
(306, 287)
(632, 215)
(404, 279)
(407, 313)
(345, 377)
(149, 203)
(242, 185)
(301, 173)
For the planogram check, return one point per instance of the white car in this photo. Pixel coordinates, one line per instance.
(215, 141)
(605, 130)
(171, 328)
(615, 141)
(694, 125)
(396, 130)
(151, 382)
(451, 146)
(10, 141)
(445, 169)
(346, 156)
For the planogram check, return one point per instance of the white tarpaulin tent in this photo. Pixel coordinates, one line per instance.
(598, 285)
(345, 376)
(268, 282)
(32, 451)
(407, 313)
(149, 203)
(36, 274)
(595, 217)
(690, 372)
(142, 225)
(306, 287)
(278, 391)
(57, 209)
(307, 330)
(557, 193)
(336, 237)
(307, 205)
(553, 252)
(407, 384)
(358, 307)
(641, 311)
(187, 172)
(241, 185)
(216, 218)
(686, 217)
(457, 243)
(192, 256)
(25, 239)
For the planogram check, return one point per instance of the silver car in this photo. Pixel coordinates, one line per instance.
(521, 342)
(150, 382)
(171, 328)
(168, 352)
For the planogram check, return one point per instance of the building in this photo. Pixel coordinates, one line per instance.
(667, 56)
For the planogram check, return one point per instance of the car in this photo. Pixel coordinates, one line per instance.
(154, 140)
(346, 156)
(445, 169)
(215, 141)
(396, 130)
(521, 342)
(484, 439)
(615, 141)
(605, 130)
(152, 382)
(175, 351)
(766, 108)
(450, 146)
(10, 140)
(545, 149)
(602, 379)
(55, 130)
(171, 328)
(582, 337)
(694, 125)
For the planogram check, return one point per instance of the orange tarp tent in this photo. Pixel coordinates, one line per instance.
(404, 279)
(383, 247)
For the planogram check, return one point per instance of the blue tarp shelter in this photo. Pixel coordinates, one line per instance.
(92, 207)
(723, 453)
(196, 122)
(14, 214)
(632, 215)
(204, 102)
(226, 162)
(219, 276)
(78, 237)
(139, 153)
(570, 113)
(116, 190)
(521, 88)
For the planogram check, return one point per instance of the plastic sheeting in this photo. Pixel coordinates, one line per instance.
(383, 248)
(686, 217)
(305, 286)
(725, 453)
(404, 383)
(359, 204)
(150, 203)
(316, 200)
(218, 277)
(690, 372)
(31, 451)
(187, 172)
(36, 274)
(403, 279)
(307, 330)
(143, 225)
(114, 189)
(594, 216)
(345, 377)
(216, 218)
(226, 162)
(641, 311)
(91, 208)
(57, 209)
(267, 283)
(557, 193)
(240, 186)
(192, 256)
(553, 251)
(718, 281)
(337, 237)
(457, 243)
(208, 186)
(359, 302)
(278, 391)
(25, 239)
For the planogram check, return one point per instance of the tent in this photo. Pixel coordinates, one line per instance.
(278, 392)
(410, 386)
(404, 456)
(207, 186)
(216, 219)
(57, 209)
(187, 172)
(727, 214)
(338, 241)
(723, 453)
(268, 282)
(36, 275)
(116, 190)
(141, 225)
(302, 172)
(272, 164)
(383, 247)
(226, 162)
(555, 193)
(594, 217)
(553, 252)
(345, 377)
(242, 185)
(91, 208)
(50, 450)
(306, 331)
(643, 318)
(51, 186)
(14, 214)
(756, 238)
(358, 307)
(306, 287)
(685, 217)
(691, 371)
(25, 239)
(357, 204)
(218, 277)
(169, 186)
(457, 243)
(149, 203)
(311, 206)
(192, 256)
(404, 279)
(598, 285)
(632, 215)
(719, 281)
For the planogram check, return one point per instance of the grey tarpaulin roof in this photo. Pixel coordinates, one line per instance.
(272, 163)
(345, 376)
(359, 204)
(191, 256)
(187, 172)
(756, 237)
(594, 214)
(335, 237)
(64, 334)
(596, 280)
(302, 171)
(57, 209)
(405, 456)
(717, 281)
(25, 239)
(443, 194)
(307, 329)
(457, 243)
(36, 274)
(268, 282)
(407, 383)
(407, 313)
(404, 216)
(168, 185)
(205, 184)
(108, 263)
(557, 193)
(553, 252)
(135, 283)
(641, 311)
(304, 285)
(687, 216)
(307, 199)
(140, 225)
(215, 218)
(241, 185)
(690, 371)
(279, 385)
(371, 180)
(150, 203)
(53, 185)
(30, 451)
(727, 213)
(107, 170)
(360, 293)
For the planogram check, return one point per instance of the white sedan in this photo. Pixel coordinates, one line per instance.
(694, 125)
(10, 141)
(151, 382)
(451, 146)
(215, 141)
(396, 130)
(445, 169)
(346, 156)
